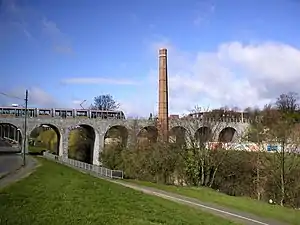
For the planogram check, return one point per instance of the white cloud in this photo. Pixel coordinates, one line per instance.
(94, 80)
(37, 97)
(236, 74)
(61, 42)
(136, 108)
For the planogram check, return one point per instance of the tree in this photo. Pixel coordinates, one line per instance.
(256, 134)
(105, 102)
(284, 132)
(287, 103)
(203, 151)
(275, 127)
(80, 145)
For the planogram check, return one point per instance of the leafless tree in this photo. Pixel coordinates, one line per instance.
(275, 127)
(202, 148)
(287, 103)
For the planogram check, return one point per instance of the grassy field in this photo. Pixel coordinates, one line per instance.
(240, 203)
(56, 194)
(35, 149)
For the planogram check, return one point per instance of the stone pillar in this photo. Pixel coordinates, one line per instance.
(15, 134)
(97, 145)
(163, 114)
(18, 136)
(5, 131)
(64, 143)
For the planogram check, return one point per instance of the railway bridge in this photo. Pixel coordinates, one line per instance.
(126, 131)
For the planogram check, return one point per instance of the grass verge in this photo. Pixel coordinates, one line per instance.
(244, 204)
(56, 194)
(35, 149)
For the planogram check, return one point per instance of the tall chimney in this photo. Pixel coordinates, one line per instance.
(163, 102)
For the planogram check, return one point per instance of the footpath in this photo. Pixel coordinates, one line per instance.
(19, 172)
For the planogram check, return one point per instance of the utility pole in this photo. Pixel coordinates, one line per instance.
(25, 128)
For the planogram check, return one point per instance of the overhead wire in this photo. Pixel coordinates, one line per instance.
(10, 96)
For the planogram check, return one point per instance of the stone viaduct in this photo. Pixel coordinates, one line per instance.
(128, 129)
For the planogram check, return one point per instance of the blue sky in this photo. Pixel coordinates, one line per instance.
(67, 51)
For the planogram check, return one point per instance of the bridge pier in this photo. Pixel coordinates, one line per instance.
(98, 145)
(131, 127)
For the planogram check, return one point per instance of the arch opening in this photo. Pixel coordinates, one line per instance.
(81, 143)
(203, 135)
(147, 135)
(227, 135)
(116, 136)
(44, 137)
(177, 136)
(10, 136)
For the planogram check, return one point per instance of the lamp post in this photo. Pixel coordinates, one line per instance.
(25, 128)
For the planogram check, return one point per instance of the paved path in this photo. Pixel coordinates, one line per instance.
(20, 173)
(9, 163)
(6, 147)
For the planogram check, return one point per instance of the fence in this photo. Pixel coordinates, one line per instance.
(98, 170)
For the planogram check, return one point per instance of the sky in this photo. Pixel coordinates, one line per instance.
(220, 53)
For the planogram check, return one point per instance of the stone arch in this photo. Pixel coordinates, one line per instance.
(117, 134)
(148, 134)
(53, 143)
(227, 134)
(203, 135)
(11, 133)
(177, 135)
(82, 142)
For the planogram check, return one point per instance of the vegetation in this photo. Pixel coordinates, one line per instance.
(105, 102)
(56, 194)
(42, 139)
(244, 204)
(81, 145)
(190, 161)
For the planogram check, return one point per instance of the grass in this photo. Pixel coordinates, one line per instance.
(244, 204)
(56, 194)
(35, 149)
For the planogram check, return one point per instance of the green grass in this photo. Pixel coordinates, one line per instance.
(35, 149)
(56, 195)
(245, 204)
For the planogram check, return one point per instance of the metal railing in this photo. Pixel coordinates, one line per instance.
(97, 170)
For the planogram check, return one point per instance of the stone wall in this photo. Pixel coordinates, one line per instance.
(100, 127)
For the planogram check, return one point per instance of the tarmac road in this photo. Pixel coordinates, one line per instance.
(9, 163)
(10, 160)
(6, 147)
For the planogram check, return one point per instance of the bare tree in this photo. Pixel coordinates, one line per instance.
(287, 103)
(256, 133)
(283, 130)
(105, 102)
(275, 128)
(202, 148)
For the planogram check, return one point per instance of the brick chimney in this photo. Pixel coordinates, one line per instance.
(163, 102)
